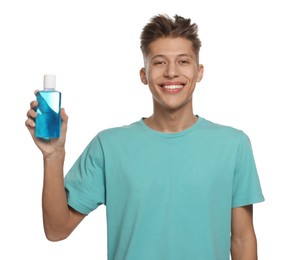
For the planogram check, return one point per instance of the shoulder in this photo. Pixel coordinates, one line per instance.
(120, 132)
(217, 130)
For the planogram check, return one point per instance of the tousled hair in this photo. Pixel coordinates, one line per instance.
(163, 26)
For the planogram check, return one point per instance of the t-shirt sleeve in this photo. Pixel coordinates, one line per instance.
(85, 181)
(246, 184)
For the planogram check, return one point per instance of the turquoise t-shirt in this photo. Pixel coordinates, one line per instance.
(167, 196)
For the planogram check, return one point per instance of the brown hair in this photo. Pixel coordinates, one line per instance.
(162, 26)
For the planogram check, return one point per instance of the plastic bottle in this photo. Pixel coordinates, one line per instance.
(48, 120)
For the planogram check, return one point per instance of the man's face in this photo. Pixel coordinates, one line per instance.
(171, 71)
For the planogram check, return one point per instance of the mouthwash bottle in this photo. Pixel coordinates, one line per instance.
(48, 120)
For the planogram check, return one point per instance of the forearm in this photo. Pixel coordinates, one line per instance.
(55, 209)
(244, 249)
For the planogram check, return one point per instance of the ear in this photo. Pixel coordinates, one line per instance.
(143, 76)
(200, 72)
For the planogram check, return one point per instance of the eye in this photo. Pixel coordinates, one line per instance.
(184, 62)
(159, 62)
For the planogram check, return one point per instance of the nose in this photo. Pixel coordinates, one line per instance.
(171, 70)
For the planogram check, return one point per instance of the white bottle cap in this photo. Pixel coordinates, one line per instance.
(49, 81)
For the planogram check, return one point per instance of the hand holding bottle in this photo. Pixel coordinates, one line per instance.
(51, 146)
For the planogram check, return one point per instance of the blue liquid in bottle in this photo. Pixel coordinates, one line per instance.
(48, 120)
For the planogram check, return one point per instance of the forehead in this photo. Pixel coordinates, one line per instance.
(171, 47)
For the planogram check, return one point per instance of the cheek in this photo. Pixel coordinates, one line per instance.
(154, 74)
(192, 75)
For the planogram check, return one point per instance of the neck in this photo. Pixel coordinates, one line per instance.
(171, 121)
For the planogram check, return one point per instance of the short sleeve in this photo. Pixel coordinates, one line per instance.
(85, 181)
(246, 185)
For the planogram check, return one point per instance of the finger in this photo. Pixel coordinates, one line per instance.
(34, 104)
(32, 114)
(64, 118)
(63, 114)
(30, 123)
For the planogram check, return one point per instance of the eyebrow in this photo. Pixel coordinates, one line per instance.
(180, 55)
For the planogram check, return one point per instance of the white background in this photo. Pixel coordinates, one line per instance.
(93, 48)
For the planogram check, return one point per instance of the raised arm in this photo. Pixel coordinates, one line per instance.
(58, 218)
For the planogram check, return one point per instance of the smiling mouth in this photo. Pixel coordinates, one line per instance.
(172, 87)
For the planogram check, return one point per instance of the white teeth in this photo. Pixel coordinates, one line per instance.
(172, 86)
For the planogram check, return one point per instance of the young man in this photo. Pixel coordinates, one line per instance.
(175, 185)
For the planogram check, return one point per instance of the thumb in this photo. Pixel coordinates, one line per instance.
(64, 118)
